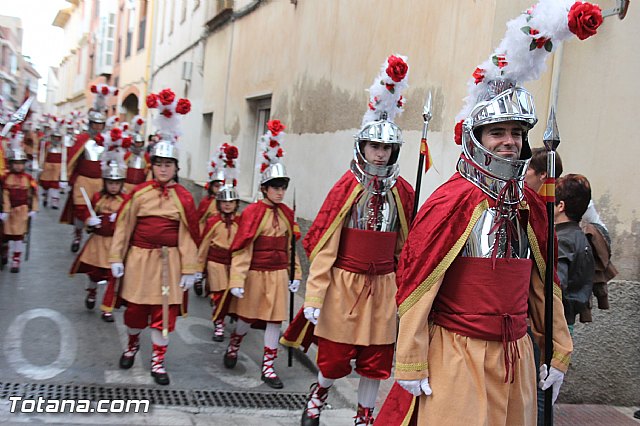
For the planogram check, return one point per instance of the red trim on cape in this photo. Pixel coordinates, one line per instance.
(205, 202)
(212, 220)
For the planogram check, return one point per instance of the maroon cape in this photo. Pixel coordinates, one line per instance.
(436, 238)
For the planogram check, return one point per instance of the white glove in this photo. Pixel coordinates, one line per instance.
(94, 221)
(187, 281)
(294, 286)
(237, 292)
(4, 217)
(312, 315)
(117, 269)
(416, 387)
(33, 214)
(198, 276)
(554, 378)
(63, 185)
(112, 217)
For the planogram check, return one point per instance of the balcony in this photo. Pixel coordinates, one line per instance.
(218, 13)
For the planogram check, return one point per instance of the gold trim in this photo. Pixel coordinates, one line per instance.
(562, 358)
(439, 270)
(412, 366)
(337, 221)
(407, 418)
(298, 342)
(312, 299)
(541, 263)
(403, 219)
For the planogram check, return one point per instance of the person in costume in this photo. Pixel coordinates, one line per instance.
(219, 231)
(155, 244)
(353, 246)
(19, 203)
(260, 265)
(471, 270)
(93, 259)
(50, 178)
(138, 159)
(84, 167)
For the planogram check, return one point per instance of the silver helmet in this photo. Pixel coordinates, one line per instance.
(274, 171)
(17, 154)
(510, 103)
(113, 171)
(164, 149)
(218, 176)
(228, 193)
(97, 116)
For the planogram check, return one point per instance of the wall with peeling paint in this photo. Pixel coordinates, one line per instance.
(315, 59)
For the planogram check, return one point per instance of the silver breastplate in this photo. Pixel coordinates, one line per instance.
(55, 149)
(374, 212)
(92, 150)
(482, 241)
(136, 162)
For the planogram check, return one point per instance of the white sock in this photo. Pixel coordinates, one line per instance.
(54, 193)
(242, 327)
(18, 246)
(367, 392)
(78, 224)
(158, 339)
(91, 285)
(324, 382)
(271, 335)
(11, 248)
(134, 331)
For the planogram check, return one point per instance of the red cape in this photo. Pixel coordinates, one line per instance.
(443, 225)
(188, 210)
(252, 217)
(331, 215)
(205, 202)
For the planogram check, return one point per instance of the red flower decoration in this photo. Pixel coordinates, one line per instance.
(584, 19)
(229, 163)
(275, 127)
(183, 107)
(478, 74)
(273, 143)
(126, 142)
(167, 113)
(500, 61)
(457, 138)
(263, 167)
(235, 182)
(397, 68)
(280, 153)
(231, 152)
(140, 121)
(105, 90)
(115, 93)
(152, 101)
(265, 156)
(94, 88)
(213, 164)
(371, 107)
(99, 139)
(390, 87)
(400, 102)
(166, 96)
(115, 133)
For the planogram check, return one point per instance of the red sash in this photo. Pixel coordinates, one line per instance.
(366, 252)
(154, 232)
(478, 301)
(106, 227)
(219, 255)
(18, 196)
(135, 176)
(54, 157)
(269, 254)
(88, 168)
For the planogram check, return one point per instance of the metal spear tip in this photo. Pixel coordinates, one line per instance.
(426, 112)
(551, 136)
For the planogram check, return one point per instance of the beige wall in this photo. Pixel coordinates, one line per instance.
(317, 58)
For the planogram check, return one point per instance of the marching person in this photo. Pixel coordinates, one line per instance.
(155, 244)
(93, 258)
(260, 265)
(471, 270)
(137, 158)
(353, 246)
(219, 232)
(49, 179)
(84, 167)
(207, 206)
(19, 203)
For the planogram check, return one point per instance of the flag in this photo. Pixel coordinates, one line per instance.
(424, 150)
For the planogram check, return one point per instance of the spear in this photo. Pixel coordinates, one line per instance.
(426, 115)
(292, 276)
(551, 141)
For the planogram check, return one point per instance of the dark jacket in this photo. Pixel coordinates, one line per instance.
(575, 268)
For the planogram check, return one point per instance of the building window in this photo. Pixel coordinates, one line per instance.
(261, 112)
(196, 4)
(183, 15)
(142, 25)
(171, 15)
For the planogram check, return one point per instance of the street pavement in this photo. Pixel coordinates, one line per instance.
(49, 337)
